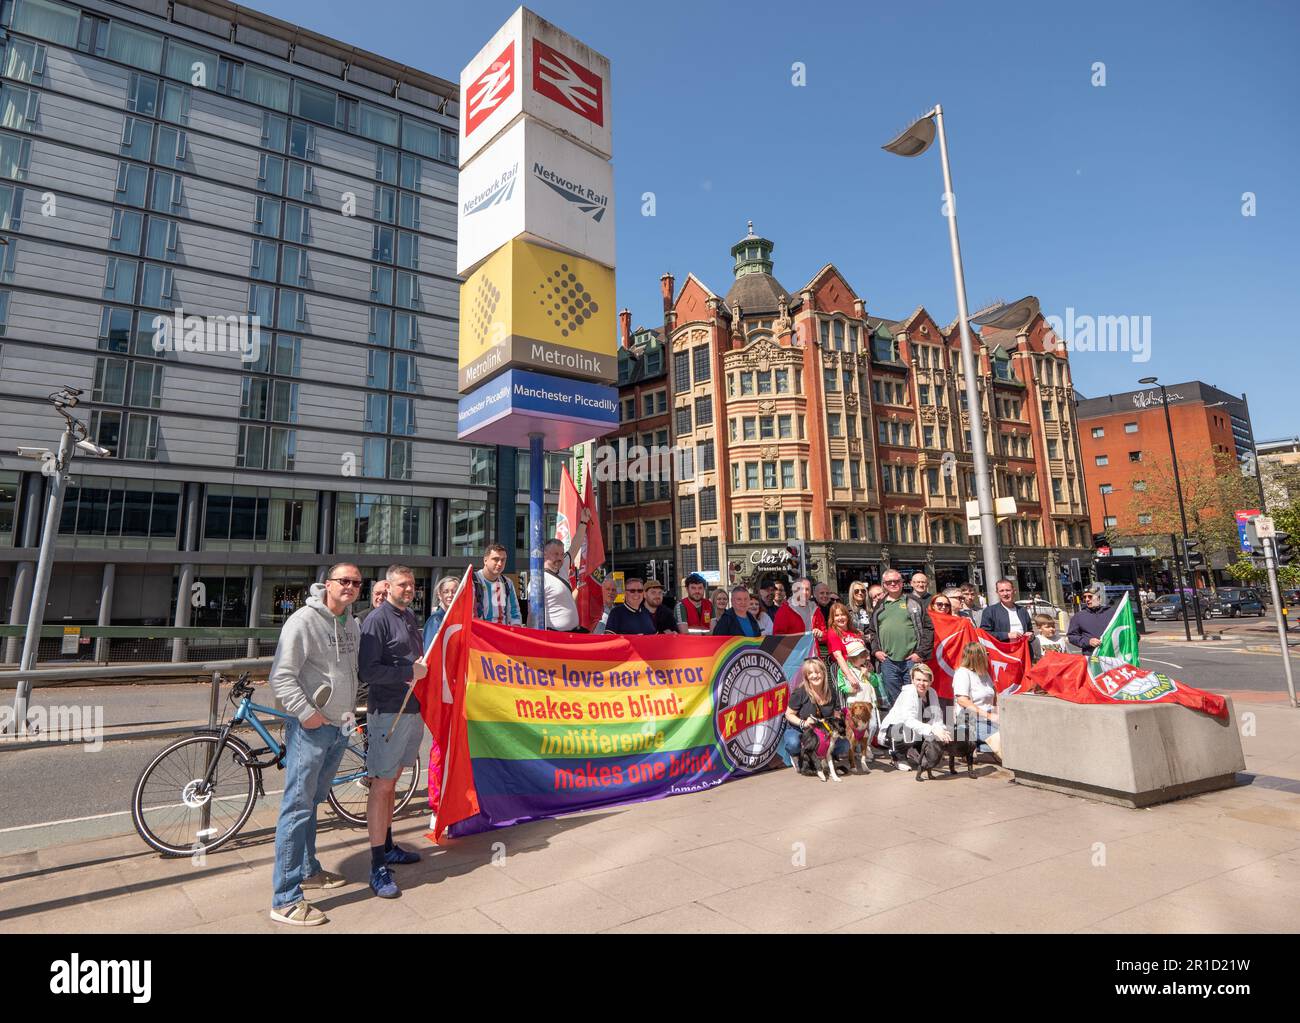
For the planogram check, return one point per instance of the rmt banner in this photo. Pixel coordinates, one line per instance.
(554, 723)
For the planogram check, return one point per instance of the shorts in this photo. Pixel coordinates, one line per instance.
(387, 759)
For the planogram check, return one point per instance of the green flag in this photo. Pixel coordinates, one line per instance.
(1119, 643)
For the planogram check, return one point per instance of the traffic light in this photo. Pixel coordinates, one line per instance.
(650, 570)
(1194, 558)
(794, 558)
(1282, 548)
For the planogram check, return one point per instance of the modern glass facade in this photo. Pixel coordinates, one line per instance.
(237, 238)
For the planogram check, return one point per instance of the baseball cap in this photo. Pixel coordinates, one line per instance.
(855, 648)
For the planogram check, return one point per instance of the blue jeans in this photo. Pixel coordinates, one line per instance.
(310, 764)
(789, 748)
(895, 675)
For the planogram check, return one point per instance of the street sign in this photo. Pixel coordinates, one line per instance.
(536, 308)
(71, 639)
(1265, 528)
(1243, 517)
(531, 67)
(510, 407)
(534, 184)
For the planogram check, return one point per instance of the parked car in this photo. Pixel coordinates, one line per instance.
(1039, 606)
(1233, 602)
(1170, 607)
(1291, 596)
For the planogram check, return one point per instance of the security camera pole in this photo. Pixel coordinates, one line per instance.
(914, 141)
(57, 468)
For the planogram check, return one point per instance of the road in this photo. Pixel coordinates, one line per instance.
(62, 793)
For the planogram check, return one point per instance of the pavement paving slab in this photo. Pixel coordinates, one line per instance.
(775, 852)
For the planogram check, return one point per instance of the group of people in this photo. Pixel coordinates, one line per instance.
(871, 649)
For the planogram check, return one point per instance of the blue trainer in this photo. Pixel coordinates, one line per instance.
(402, 857)
(382, 883)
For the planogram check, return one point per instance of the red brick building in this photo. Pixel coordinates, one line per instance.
(814, 419)
(1123, 434)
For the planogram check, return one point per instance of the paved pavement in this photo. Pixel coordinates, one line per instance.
(774, 852)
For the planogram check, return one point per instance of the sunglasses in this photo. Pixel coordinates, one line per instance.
(893, 582)
(633, 592)
(344, 582)
(942, 607)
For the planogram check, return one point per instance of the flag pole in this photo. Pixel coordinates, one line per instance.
(425, 659)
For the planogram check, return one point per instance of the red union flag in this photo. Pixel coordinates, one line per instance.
(490, 89)
(1008, 661)
(571, 85)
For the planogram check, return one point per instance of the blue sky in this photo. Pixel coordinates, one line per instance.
(1117, 200)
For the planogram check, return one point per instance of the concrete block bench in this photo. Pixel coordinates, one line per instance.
(1134, 756)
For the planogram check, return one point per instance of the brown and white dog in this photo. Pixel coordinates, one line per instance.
(858, 728)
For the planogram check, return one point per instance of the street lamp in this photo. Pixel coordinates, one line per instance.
(914, 141)
(75, 437)
(1182, 514)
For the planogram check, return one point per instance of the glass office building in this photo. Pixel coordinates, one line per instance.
(237, 238)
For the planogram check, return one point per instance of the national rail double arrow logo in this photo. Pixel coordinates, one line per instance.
(564, 80)
(492, 88)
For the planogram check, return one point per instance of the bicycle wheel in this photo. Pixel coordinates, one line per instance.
(167, 808)
(351, 788)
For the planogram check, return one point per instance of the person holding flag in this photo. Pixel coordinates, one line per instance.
(1118, 643)
(1090, 623)
(578, 530)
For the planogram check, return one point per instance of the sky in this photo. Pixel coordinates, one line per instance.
(1122, 199)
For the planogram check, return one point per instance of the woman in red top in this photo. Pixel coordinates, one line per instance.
(839, 632)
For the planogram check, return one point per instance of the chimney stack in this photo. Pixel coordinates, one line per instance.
(625, 328)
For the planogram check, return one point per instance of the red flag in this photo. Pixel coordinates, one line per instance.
(1066, 677)
(568, 516)
(588, 594)
(1008, 661)
(442, 705)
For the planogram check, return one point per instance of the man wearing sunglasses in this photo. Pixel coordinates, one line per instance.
(314, 678)
(630, 618)
(903, 635)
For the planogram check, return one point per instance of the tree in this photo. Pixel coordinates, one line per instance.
(1213, 491)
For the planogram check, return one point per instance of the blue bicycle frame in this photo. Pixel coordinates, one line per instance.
(247, 713)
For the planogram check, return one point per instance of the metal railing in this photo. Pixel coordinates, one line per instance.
(143, 644)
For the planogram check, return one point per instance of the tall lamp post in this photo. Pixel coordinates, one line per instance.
(1183, 561)
(75, 436)
(914, 141)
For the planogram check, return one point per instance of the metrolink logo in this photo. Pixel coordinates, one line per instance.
(498, 192)
(211, 334)
(586, 198)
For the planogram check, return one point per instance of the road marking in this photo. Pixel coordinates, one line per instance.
(103, 816)
(1170, 663)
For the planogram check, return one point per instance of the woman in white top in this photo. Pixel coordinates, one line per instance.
(915, 716)
(973, 691)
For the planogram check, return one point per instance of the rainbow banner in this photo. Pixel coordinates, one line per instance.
(559, 722)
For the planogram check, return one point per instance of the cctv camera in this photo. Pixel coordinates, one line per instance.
(40, 454)
(89, 447)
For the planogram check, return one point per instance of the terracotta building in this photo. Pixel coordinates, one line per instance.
(813, 419)
(638, 505)
(1122, 434)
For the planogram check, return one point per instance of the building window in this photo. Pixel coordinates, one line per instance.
(1135, 456)
(701, 363)
(709, 554)
(686, 512)
(705, 455)
(681, 372)
(1130, 427)
(684, 420)
(1102, 460)
(689, 558)
(703, 411)
(1110, 521)
(708, 504)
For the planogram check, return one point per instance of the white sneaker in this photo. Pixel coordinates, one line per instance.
(903, 765)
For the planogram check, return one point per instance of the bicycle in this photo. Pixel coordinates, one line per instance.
(214, 771)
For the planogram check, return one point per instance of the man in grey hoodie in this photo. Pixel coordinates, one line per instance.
(314, 678)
